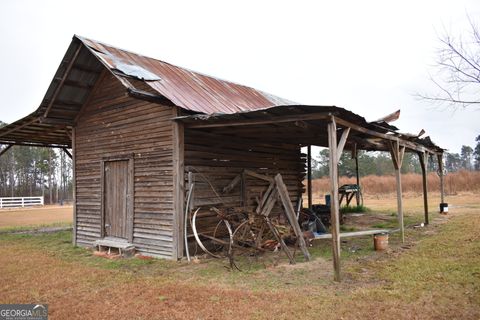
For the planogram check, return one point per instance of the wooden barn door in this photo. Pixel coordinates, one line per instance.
(117, 198)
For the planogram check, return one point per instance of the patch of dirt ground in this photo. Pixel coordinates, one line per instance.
(35, 216)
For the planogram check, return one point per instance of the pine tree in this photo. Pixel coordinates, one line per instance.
(476, 153)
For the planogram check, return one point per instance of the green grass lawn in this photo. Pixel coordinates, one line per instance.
(434, 275)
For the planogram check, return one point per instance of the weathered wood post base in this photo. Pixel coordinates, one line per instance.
(440, 174)
(397, 153)
(334, 158)
(423, 165)
(398, 177)
(334, 209)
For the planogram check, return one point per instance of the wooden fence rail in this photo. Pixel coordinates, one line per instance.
(20, 202)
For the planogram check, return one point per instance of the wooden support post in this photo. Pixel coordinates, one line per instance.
(334, 206)
(397, 153)
(74, 187)
(309, 176)
(269, 203)
(341, 144)
(440, 173)
(266, 196)
(423, 165)
(280, 240)
(398, 177)
(355, 154)
(290, 213)
(178, 188)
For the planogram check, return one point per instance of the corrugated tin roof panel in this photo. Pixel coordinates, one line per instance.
(274, 114)
(187, 89)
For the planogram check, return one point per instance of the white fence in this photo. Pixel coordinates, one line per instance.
(17, 202)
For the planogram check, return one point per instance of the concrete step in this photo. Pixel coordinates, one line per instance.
(125, 248)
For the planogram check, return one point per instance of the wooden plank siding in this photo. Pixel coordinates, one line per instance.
(114, 124)
(219, 159)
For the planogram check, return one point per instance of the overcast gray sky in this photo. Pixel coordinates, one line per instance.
(367, 56)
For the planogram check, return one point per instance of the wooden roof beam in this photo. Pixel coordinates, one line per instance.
(272, 120)
(66, 104)
(73, 83)
(409, 144)
(38, 128)
(16, 128)
(86, 69)
(56, 121)
(35, 144)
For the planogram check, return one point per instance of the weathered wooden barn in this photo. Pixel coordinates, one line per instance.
(138, 126)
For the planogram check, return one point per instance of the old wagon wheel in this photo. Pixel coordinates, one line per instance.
(226, 243)
(247, 242)
(245, 235)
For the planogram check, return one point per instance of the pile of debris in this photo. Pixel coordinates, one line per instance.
(240, 232)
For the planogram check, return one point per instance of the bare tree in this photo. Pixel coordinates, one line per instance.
(458, 69)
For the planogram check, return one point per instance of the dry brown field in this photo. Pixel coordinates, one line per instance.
(462, 181)
(435, 274)
(35, 216)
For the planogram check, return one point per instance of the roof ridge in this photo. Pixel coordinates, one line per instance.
(272, 97)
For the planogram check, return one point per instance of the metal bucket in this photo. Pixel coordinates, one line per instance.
(443, 207)
(327, 200)
(380, 241)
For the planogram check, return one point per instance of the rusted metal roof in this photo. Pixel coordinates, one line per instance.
(213, 100)
(294, 124)
(50, 125)
(187, 89)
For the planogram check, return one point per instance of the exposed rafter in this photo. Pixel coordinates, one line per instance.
(62, 81)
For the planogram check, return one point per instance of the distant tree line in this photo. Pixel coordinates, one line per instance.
(380, 163)
(34, 171)
(467, 159)
(369, 163)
